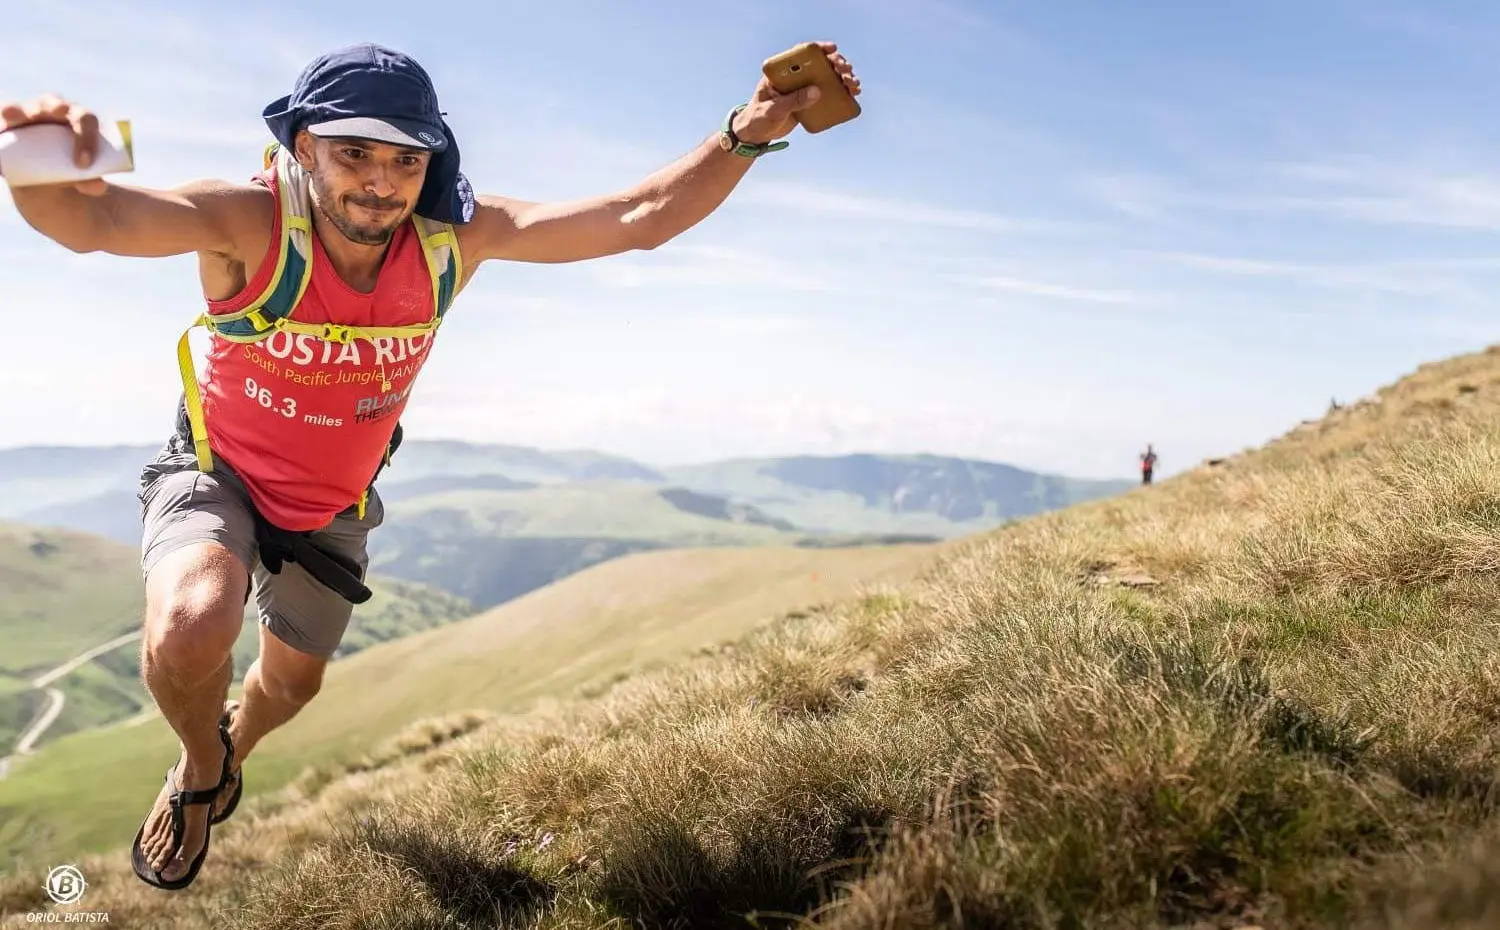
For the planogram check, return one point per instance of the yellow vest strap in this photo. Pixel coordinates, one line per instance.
(193, 400)
(333, 332)
(439, 244)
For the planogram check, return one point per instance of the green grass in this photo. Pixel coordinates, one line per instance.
(17, 709)
(1260, 694)
(87, 791)
(99, 693)
(493, 546)
(395, 609)
(63, 593)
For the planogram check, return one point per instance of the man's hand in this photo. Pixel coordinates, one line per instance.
(650, 213)
(206, 216)
(53, 109)
(770, 115)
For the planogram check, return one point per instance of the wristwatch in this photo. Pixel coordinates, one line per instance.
(730, 142)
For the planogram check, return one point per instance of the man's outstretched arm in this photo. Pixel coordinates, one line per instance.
(659, 208)
(98, 216)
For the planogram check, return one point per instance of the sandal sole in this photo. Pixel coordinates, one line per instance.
(138, 863)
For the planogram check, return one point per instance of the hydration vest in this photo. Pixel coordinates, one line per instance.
(271, 312)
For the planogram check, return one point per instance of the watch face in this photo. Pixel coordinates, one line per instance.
(725, 142)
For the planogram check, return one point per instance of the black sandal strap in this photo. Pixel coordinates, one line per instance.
(202, 796)
(228, 752)
(185, 797)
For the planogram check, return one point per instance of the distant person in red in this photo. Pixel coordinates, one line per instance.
(1148, 464)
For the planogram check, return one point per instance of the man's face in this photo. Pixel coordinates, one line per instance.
(365, 189)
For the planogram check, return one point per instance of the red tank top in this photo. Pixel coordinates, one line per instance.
(303, 421)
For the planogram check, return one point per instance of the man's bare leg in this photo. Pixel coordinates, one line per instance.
(195, 601)
(277, 685)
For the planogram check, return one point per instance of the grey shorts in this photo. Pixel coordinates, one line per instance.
(181, 506)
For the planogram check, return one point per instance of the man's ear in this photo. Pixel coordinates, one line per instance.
(305, 148)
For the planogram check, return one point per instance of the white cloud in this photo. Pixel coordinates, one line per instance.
(1464, 202)
(711, 267)
(1364, 191)
(1412, 279)
(1053, 291)
(871, 296)
(750, 325)
(1136, 196)
(861, 206)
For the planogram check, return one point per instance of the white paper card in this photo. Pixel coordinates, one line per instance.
(42, 153)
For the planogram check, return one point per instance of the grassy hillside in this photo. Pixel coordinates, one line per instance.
(1263, 693)
(582, 633)
(395, 609)
(60, 593)
(493, 545)
(606, 510)
(109, 688)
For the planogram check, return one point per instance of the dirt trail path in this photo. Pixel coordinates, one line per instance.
(56, 700)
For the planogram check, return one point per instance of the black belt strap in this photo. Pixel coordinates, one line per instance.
(278, 546)
(331, 569)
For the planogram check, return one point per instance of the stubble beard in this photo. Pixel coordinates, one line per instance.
(333, 210)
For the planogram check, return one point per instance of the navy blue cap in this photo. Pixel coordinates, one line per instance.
(368, 91)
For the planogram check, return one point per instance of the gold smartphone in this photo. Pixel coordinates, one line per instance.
(807, 64)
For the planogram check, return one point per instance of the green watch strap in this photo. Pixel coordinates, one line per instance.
(747, 149)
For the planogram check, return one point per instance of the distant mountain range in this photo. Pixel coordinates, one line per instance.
(490, 522)
(468, 527)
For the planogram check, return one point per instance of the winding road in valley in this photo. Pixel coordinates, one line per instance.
(55, 697)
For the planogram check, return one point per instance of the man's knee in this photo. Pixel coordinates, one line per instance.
(194, 610)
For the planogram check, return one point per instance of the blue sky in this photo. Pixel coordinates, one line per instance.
(1058, 231)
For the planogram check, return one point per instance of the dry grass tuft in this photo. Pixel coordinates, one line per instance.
(1264, 693)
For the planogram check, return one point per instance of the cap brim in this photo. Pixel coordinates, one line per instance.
(391, 131)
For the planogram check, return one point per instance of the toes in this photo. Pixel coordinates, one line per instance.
(160, 848)
(156, 844)
(152, 845)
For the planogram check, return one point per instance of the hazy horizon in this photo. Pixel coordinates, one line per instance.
(1077, 230)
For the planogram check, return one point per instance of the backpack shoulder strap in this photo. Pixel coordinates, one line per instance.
(444, 261)
(279, 298)
(294, 255)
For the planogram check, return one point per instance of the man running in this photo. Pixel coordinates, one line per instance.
(266, 485)
(1148, 464)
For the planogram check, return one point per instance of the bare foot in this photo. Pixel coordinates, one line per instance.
(156, 843)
